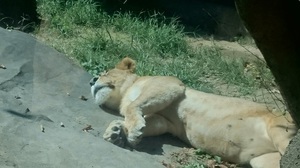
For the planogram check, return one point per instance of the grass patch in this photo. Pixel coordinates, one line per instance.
(97, 41)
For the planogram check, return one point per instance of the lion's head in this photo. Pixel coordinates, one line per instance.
(109, 87)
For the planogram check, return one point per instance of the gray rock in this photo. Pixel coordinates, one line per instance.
(291, 159)
(40, 89)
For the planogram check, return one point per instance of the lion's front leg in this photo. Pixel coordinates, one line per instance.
(155, 125)
(144, 101)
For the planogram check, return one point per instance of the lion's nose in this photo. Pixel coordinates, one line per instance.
(93, 81)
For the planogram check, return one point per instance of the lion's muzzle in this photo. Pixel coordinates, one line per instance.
(93, 81)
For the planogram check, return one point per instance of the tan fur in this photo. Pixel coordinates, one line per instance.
(239, 131)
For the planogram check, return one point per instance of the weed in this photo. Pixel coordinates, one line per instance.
(195, 165)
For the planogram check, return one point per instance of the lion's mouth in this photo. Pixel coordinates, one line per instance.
(99, 87)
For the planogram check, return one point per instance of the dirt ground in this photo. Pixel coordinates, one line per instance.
(251, 54)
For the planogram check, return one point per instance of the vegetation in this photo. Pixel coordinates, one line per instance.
(97, 40)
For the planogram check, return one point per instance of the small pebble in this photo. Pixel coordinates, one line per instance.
(2, 66)
(83, 98)
(42, 128)
(27, 110)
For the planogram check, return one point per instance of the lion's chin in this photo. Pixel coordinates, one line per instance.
(100, 95)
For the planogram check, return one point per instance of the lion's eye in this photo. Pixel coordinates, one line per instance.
(111, 85)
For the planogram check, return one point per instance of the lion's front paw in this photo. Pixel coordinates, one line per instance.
(135, 131)
(115, 133)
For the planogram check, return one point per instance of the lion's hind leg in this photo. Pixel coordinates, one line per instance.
(269, 160)
(157, 125)
(115, 133)
(281, 132)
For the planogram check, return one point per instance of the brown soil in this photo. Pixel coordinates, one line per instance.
(269, 94)
(192, 158)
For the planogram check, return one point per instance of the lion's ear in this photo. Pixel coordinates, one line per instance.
(126, 64)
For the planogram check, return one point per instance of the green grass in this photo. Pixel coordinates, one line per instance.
(97, 41)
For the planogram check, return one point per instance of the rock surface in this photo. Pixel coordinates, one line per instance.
(291, 159)
(40, 90)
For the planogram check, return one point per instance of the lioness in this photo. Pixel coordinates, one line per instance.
(237, 130)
